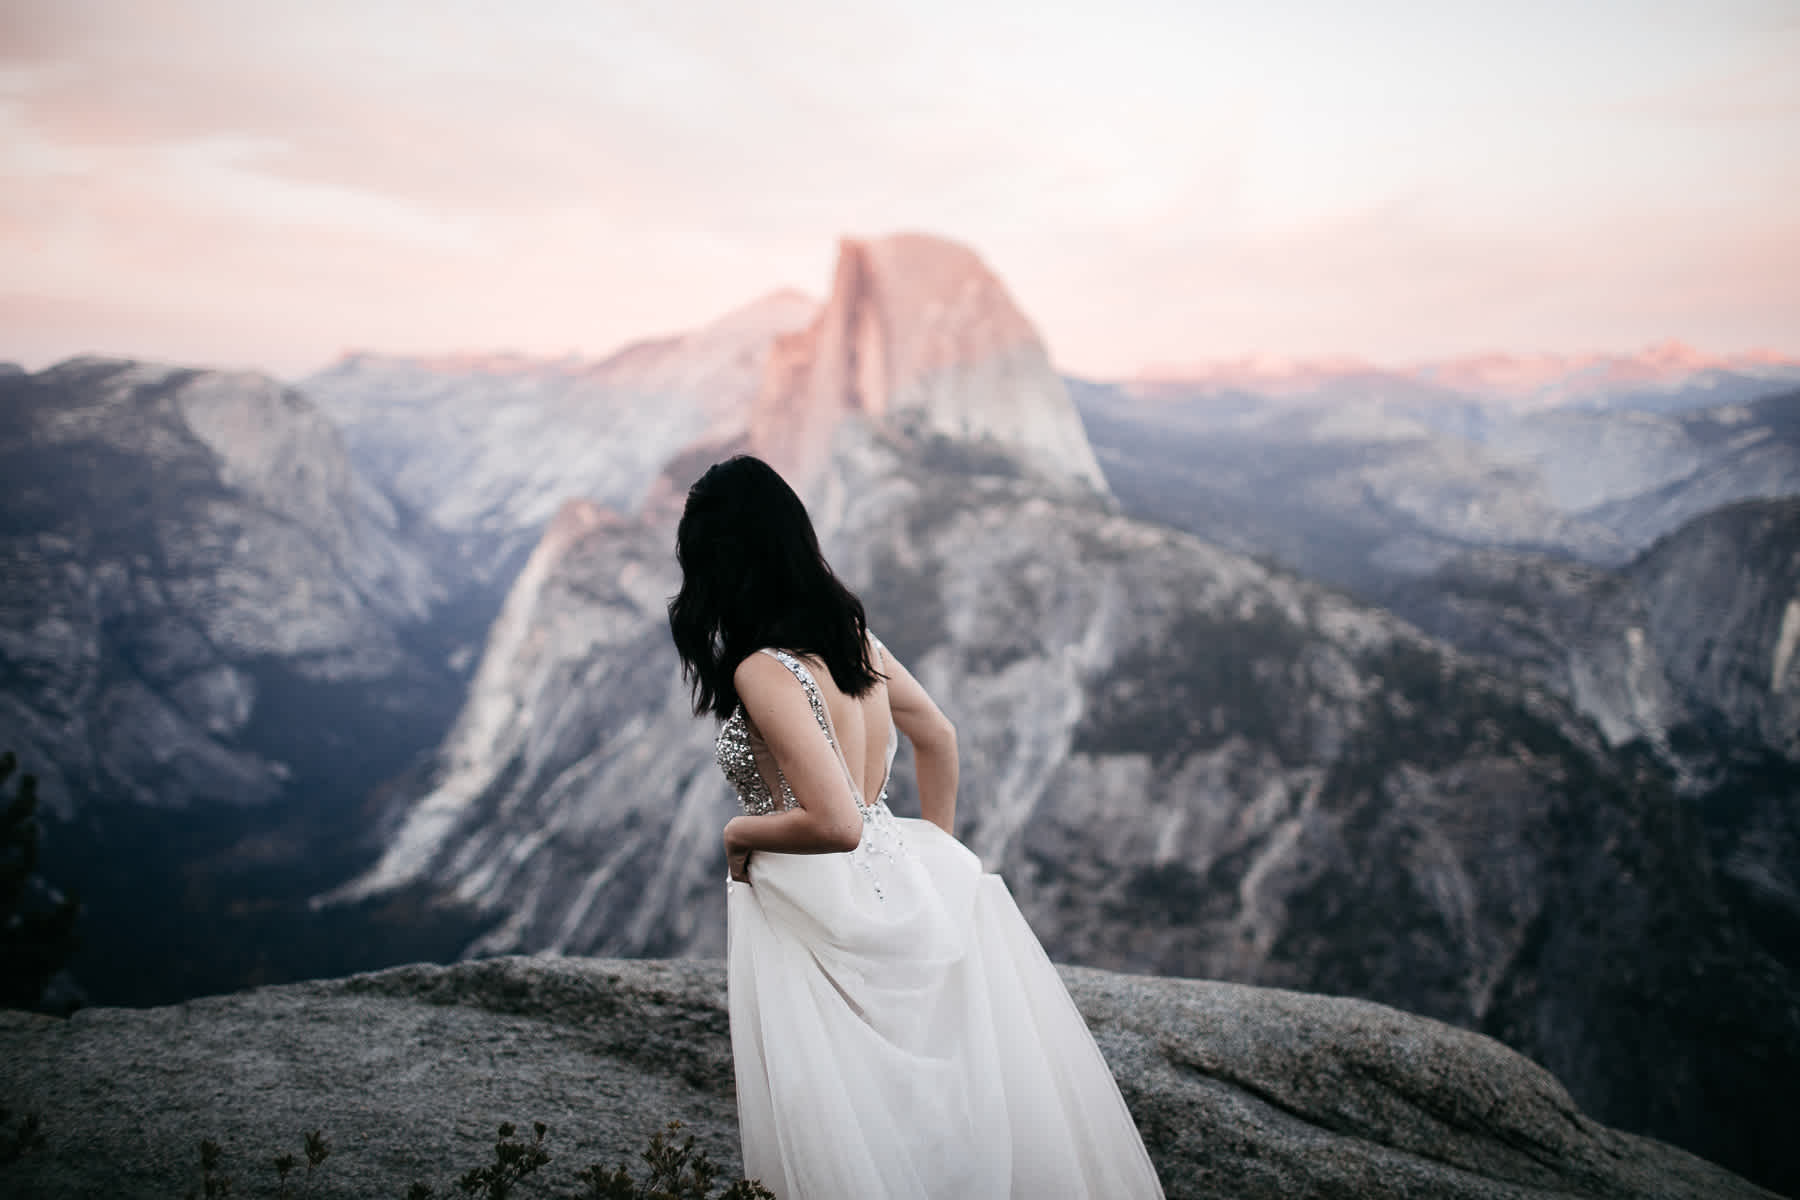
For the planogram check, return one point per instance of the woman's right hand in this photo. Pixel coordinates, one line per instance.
(737, 855)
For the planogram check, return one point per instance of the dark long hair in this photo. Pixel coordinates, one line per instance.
(752, 576)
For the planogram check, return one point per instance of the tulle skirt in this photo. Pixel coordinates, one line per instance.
(898, 1032)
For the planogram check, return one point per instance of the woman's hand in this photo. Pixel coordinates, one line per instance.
(737, 855)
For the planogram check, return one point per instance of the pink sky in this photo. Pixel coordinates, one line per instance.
(268, 184)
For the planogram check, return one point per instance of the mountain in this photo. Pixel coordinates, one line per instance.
(215, 634)
(1354, 495)
(1699, 631)
(1689, 650)
(1363, 493)
(916, 330)
(921, 334)
(1642, 474)
(552, 747)
(1741, 452)
(489, 448)
(1240, 1093)
(917, 333)
(1667, 377)
(1723, 599)
(1185, 762)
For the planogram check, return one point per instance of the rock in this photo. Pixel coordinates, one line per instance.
(1241, 1093)
(183, 550)
(918, 333)
(1698, 631)
(1689, 651)
(489, 447)
(215, 635)
(1722, 596)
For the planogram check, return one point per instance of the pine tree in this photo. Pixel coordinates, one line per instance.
(37, 923)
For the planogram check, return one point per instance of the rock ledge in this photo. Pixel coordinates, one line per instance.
(1240, 1092)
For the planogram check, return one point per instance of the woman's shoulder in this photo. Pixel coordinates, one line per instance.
(768, 663)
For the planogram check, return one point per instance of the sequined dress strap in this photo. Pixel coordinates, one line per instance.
(821, 714)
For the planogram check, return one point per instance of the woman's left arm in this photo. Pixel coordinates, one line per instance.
(826, 821)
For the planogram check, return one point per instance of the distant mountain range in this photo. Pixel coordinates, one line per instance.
(1667, 377)
(489, 447)
(1466, 688)
(1361, 493)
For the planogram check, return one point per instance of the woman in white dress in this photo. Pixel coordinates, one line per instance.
(897, 1030)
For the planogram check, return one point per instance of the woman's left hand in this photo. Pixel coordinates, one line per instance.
(737, 856)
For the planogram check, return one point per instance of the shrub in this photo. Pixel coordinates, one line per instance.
(35, 941)
(677, 1172)
(216, 1184)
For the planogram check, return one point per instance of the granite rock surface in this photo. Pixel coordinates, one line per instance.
(1240, 1093)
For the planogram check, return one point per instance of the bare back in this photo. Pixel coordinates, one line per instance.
(863, 726)
(770, 749)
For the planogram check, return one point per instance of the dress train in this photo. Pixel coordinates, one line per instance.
(898, 1031)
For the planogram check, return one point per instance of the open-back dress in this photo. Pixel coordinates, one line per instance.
(897, 1030)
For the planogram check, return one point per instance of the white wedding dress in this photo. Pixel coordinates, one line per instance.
(897, 1030)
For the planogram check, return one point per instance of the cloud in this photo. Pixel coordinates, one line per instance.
(1754, 85)
(566, 175)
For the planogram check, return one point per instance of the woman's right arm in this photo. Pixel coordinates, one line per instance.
(933, 740)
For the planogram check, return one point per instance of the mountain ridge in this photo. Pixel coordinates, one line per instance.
(917, 330)
(205, 611)
(1663, 376)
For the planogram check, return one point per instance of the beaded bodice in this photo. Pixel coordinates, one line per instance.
(749, 765)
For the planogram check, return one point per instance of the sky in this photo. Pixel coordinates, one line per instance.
(271, 184)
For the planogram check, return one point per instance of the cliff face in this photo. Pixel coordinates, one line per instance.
(489, 448)
(1240, 1093)
(214, 633)
(1723, 599)
(564, 802)
(171, 535)
(918, 333)
(1698, 633)
(573, 804)
(1688, 651)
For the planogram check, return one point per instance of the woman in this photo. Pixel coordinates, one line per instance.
(897, 1030)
